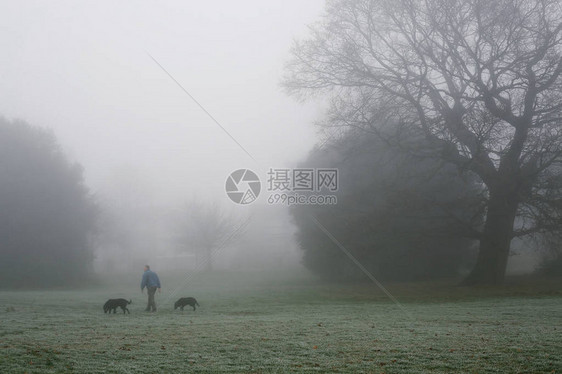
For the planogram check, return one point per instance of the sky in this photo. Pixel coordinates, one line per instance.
(84, 69)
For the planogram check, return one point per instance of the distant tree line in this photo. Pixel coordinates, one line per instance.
(47, 215)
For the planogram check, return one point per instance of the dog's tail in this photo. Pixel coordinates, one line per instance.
(130, 301)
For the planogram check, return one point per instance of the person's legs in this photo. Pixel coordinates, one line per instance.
(151, 303)
(149, 297)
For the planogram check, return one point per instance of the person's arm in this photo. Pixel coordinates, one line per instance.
(158, 281)
(143, 282)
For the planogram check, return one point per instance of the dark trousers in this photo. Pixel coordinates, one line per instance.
(151, 304)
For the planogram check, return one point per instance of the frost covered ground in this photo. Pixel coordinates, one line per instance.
(249, 324)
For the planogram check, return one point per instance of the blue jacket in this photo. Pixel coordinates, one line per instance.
(150, 279)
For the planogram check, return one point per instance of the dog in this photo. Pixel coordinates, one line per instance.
(114, 304)
(186, 301)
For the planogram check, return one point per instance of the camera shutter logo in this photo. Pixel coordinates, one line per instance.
(243, 186)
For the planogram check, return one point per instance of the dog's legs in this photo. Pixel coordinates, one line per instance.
(194, 307)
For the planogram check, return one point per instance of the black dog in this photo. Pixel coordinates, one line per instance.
(114, 304)
(185, 301)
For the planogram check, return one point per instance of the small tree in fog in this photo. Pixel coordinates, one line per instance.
(479, 79)
(47, 216)
(201, 229)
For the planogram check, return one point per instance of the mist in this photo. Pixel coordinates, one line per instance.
(86, 71)
(350, 186)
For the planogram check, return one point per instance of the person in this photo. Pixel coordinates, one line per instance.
(151, 281)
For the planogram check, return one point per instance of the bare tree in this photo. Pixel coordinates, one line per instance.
(202, 229)
(479, 79)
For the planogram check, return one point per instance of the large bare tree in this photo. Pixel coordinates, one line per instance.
(480, 79)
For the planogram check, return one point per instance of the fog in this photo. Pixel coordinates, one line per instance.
(84, 70)
(280, 186)
(160, 102)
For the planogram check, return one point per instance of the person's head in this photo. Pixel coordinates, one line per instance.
(146, 267)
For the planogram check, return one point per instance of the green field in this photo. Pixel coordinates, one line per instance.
(248, 324)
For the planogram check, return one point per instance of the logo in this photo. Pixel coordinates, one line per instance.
(243, 186)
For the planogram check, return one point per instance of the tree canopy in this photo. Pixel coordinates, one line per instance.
(403, 220)
(47, 216)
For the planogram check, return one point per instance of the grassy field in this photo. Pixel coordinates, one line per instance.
(249, 324)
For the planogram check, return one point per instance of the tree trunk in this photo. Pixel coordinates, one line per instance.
(495, 242)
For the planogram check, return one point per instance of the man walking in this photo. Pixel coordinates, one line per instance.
(151, 282)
